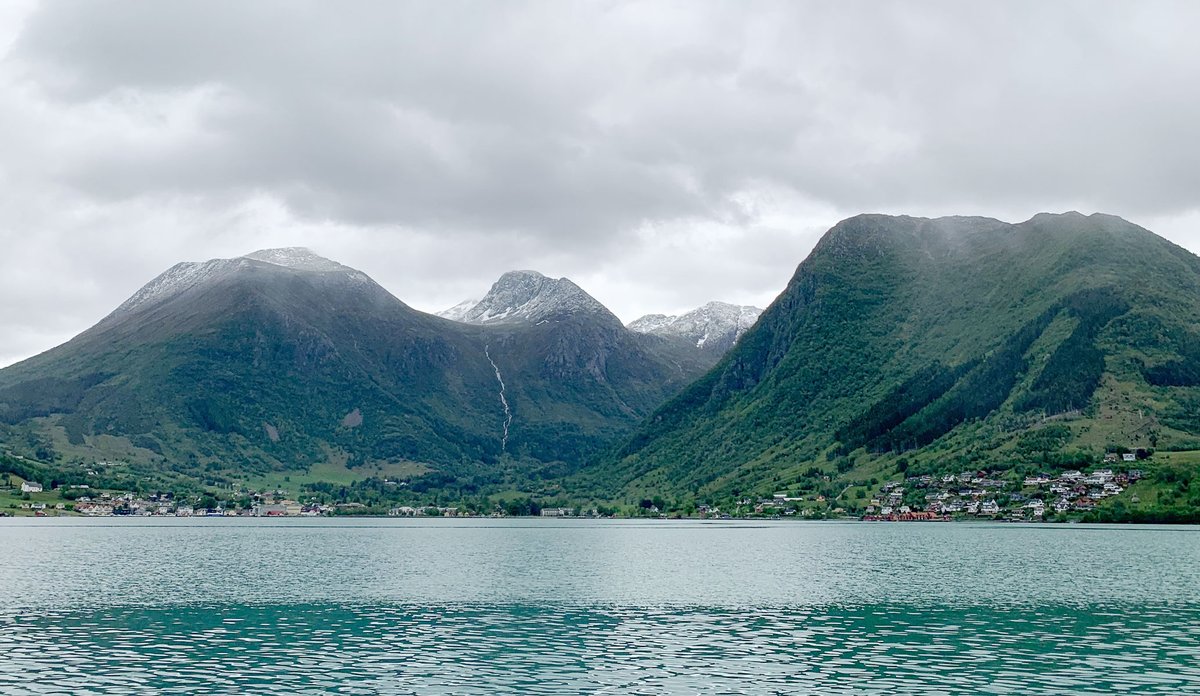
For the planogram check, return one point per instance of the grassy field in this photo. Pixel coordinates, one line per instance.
(97, 447)
(11, 500)
(1150, 492)
(335, 471)
(1187, 457)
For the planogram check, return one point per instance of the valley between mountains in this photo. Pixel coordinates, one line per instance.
(907, 362)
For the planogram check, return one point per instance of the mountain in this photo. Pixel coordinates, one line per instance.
(937, 346)
(715, 327)
(528, 297)
(270, 360)
(695, 340)
(282, 360)
(562, 351)
(459, 312)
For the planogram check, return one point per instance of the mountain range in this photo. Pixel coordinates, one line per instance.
(713, 328)
(901, 346)
(282, 360)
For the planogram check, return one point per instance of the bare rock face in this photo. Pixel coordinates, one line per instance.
(528, 297)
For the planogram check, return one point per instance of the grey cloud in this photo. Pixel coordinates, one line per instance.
(450, 115)
(591, 118)
(437, 144)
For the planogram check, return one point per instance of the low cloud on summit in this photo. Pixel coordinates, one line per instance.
(660, 154)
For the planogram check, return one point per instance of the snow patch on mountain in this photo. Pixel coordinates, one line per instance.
(527, 296)
(299, 258)
(184, 276)
(652, 323)
(715, 326)
(460, 311)
(175, 280)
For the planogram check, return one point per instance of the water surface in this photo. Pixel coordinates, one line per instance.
(223, 606)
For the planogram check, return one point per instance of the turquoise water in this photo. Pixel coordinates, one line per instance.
(217, 606)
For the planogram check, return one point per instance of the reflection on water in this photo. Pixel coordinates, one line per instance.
(528, 607)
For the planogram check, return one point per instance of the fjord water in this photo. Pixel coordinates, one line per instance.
(224, 606)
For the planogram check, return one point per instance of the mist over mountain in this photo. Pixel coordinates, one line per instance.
(282, 359)
(935, 345)
(900, 345)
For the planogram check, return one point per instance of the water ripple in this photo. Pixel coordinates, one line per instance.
(421, 649)
(520, 607)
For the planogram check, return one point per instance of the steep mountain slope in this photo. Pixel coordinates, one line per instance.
(939, 344)
(283, 359)
(574, 375)
(691, 342)
(713, 328)
(265, 361)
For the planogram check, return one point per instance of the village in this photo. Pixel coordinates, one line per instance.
(81, 499)
(983, 494)
(988, 495)
(103, 504)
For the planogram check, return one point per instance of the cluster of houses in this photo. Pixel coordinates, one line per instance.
(103, 504)
(408, 511)
(283, 507)
(41, 508)
(778, 503)
(983, 494)
(432, 511)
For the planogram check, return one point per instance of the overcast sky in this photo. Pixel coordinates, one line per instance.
(660, 154)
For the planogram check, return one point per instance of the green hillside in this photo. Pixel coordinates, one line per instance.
(930, 346)
(233, 370)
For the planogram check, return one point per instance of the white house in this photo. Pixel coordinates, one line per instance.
(30, 487)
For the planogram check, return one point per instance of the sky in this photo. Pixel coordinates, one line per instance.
(659, 154)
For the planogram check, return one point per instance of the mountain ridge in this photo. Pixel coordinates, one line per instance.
(935, 336)
(901, 346)
(714, 326)
(281, 359)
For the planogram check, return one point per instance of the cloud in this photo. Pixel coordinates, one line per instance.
(662, 152)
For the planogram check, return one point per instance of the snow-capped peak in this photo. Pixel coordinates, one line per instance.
(715, 326)
(186, 275)
(526, 296)
(175, 280)
(300, 258)
(460, 311)
(651, 323)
